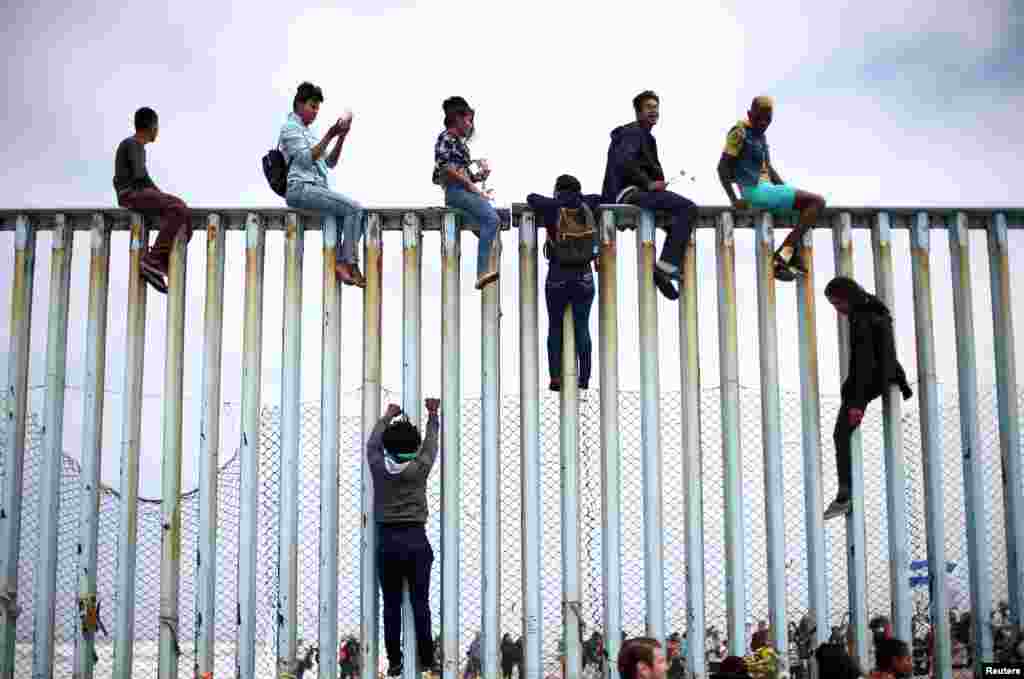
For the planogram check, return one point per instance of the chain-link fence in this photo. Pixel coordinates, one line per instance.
(633, 604)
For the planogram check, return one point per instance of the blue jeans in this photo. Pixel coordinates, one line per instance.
(480, 209)
(684, 214)
(334, 206)
(579, 292)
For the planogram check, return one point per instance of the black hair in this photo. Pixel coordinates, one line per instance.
(859, 298)
(639, 99)
(145, 118)
(887, 650)
(401, 438)
(569, 184)
(307, 91)
(834, 662)
(454, 107)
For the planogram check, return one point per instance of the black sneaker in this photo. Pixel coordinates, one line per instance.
(394, 670)
(555, 385)
(153, 274)
(664, 283)
(841, 506)
(781, 269)
(796, 264)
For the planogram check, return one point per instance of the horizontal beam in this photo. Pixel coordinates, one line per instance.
(234, 218)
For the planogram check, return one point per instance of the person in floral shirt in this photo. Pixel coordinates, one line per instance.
(454, 172)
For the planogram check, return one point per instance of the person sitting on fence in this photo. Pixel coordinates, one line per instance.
(400, 466)
(746, 162)
(892, 659)
(835, 663)
(642, 658)
(136, 191)
(453, 172)
(873, 367)
(572, 244)
(308, 161)
(633, 175)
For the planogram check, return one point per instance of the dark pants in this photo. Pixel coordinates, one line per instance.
(404, 553)
(174, 218)
(841, 438)
(684, 214)
(579, 292)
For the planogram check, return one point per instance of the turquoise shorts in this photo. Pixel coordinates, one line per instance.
(768, 196)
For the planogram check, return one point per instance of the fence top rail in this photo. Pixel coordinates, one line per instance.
(431, 217)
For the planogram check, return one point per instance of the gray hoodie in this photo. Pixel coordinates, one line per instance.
(400, 488)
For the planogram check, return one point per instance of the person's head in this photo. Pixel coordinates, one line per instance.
(642, 658)
(566, 183)
(459, 116)
(762, 625)
(834, 662)
(674, 644)
(147, 124)
(893, 655)
(760, 113)
(645, 105)
(307, 102)
(845, 294)
(402, 439)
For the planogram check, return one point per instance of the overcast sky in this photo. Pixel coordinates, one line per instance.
(877, 103)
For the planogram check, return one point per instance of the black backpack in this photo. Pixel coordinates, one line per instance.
(574, 238)
(275, 169)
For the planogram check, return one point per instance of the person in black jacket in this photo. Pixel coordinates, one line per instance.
(873, 367)
(567, 284)
(633, 175)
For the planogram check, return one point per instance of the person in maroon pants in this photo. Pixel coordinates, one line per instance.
(136, 191)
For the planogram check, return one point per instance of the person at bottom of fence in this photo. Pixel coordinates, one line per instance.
(572, 245)
(137, 191)
(400, 466)
(453, 171)
(634, 175)
(892, 659)
(873, 367)
(642, 658)
(746, 162)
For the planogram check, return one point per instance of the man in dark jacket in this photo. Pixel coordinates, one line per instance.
(873, 367)
(634, 175)
(400, 467)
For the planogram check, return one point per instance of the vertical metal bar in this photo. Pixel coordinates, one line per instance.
(170, 474)
(412, 276)
(209, 443)
(931, 444)
(248, 515)
(611, 539)
(529, 409)
(650, 429)
(570, 452)
(810, 411)
(771, 429)
(15, 407)
(53, 439)
(1009, 422)
(976, 514)
(291, 431)
(490, 452)
(369, 609)
(451, 447)
(895, 467)
(92, 445)
(131, 427)
(735, 569)
(330, 407)
(856, 566)
(693, 463)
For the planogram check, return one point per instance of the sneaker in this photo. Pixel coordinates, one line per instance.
(664, 283)
(153, 274)
(839, 507)
(486, 279)
(676, 273)
(555, 384)
(584, 385)
(394, 670)
(796, 265)
(782, 271)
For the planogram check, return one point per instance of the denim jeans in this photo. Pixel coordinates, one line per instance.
(481, 209)
(579, 293)
(334, 206)
(404, 554)
(684, 214)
